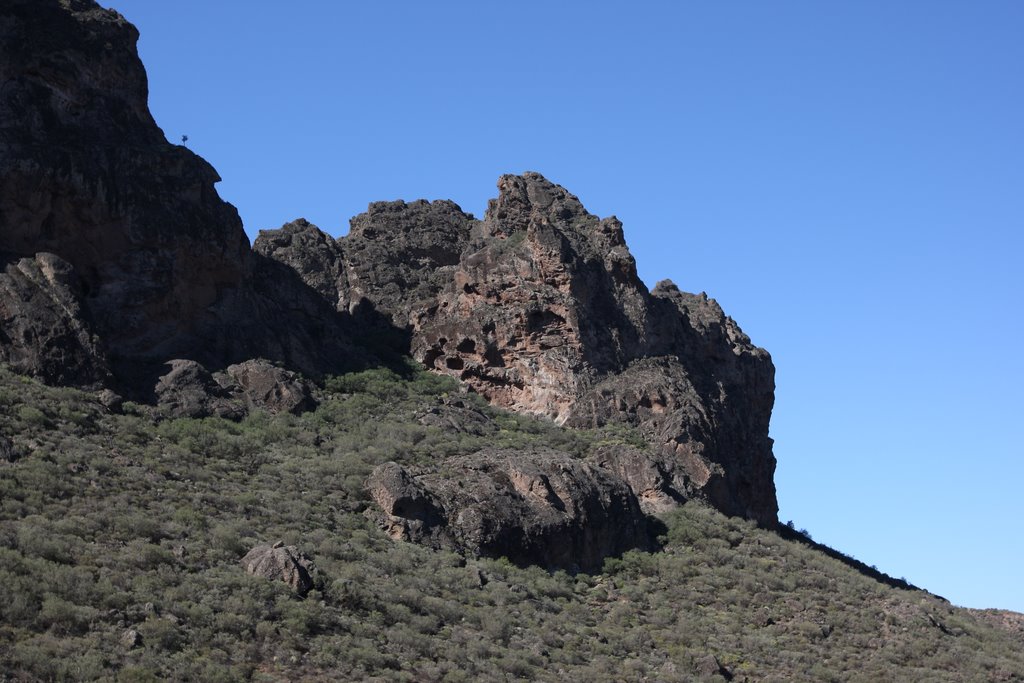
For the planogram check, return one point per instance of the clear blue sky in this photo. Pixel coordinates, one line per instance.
(846, 178)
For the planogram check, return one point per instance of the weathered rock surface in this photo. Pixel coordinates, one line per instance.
(457, 416)
(43, 329)
(279, 562)
(118, 256)
(274, 389)
(538, 307)
(189, 390)
(151, 264)
(542, 507)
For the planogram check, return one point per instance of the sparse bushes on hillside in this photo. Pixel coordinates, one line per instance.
(110, 523)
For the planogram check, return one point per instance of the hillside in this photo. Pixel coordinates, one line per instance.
(441, 447)
(117, 523)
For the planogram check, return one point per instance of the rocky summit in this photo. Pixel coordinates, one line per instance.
(538, 308)
(438, 448)
(122, 269)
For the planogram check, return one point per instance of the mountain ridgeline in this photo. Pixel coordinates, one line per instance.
(209, 449)
(123, 270)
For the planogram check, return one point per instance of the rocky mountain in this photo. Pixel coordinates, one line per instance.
(123, 268)
(117, 253)
(207, 449)
(539, 309)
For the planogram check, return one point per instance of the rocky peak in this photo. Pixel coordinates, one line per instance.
(117, 255)
(529, 199)
(158, 265)
(538, 308)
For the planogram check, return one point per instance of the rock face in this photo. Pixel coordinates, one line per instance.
(116, 251)
(538, 307)
(88, 175)
(283, 563)
(542, 507)
(43, 329)
(118, 257)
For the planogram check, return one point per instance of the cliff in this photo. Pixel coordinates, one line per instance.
(152, 263)
(121, 267)
(539, 309)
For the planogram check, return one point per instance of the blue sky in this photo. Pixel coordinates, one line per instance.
(846, 178)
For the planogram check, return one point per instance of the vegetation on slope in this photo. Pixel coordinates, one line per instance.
(123, 522)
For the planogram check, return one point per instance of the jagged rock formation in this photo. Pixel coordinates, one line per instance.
(543, 507)
(118, 257)
(538, 307)
(137, 259)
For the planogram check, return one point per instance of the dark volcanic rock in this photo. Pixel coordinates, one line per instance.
(283, 563)
(88, 175)
(159, 266)
(271, 388)
(392, 264)
(189, 390)
(658, 483)
(311, 253)
(118, 255)
(43, 329)
(539, 308)
(541, 507)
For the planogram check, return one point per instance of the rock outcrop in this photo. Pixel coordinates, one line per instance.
(118, 257)
(117, 253)
(188, 389)
(268, 387)
(284, 563)
(541, 507)
(538, 307)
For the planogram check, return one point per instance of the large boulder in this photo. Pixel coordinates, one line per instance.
(284, 563)
(271, 388)
(539, 507)
(189, 390)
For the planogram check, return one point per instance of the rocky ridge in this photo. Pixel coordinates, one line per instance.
(538, 307)
(121, 267)
(116, 253)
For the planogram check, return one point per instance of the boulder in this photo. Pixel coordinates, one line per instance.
(272, 388)
(539, 507)
(279, 562)
(131, 639)
(189, 390)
